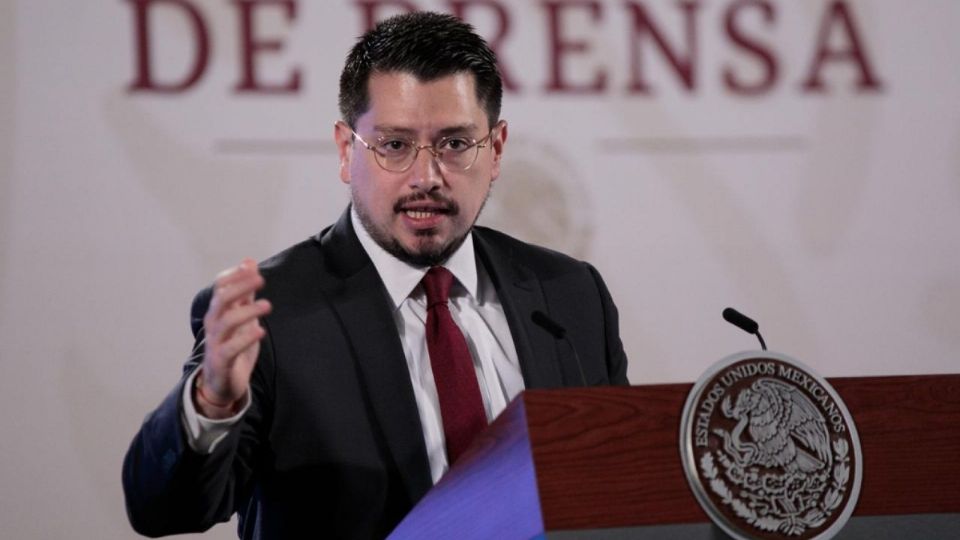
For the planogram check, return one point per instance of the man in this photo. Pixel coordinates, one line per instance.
(333, 385)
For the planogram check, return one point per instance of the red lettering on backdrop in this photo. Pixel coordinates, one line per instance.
(839, 13)
(371, 8)
(754, 47)
(250, 47)
(144, 79)
(459, 9)
(683, 66)
(558, 47)
(838, 40)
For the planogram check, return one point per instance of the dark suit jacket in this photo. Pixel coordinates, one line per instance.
(332, 444)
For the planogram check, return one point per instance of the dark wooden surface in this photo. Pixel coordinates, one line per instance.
(610, 457)
(910, 435)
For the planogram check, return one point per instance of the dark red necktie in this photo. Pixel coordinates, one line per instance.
(461, 406)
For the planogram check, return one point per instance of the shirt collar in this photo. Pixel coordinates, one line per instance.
(401, 278)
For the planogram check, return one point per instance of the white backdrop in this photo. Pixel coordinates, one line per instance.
(832, 217)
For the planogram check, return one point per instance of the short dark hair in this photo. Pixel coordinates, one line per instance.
(427, 45)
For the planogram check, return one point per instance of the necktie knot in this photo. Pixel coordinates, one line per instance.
(437, 285)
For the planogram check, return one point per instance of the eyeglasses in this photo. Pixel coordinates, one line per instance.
(397, 154)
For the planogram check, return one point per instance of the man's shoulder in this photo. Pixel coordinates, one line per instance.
(296, 258)
(523, 252)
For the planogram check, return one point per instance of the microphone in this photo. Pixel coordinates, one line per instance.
(558, 332)
(744, 323)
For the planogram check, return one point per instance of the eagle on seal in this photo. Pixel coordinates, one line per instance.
(787, 430)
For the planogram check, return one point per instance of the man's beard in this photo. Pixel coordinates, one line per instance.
(427, 256)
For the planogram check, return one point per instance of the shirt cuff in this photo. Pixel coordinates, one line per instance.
(203, 434)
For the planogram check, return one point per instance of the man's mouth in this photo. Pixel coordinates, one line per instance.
(421, 214)
(426, 209)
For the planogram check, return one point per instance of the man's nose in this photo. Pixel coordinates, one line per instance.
(425, 173)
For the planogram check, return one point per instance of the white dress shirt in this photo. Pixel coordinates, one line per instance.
(475, 308)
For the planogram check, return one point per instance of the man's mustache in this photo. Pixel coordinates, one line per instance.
(438, 202)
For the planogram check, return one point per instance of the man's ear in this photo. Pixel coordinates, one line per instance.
(497, 141)
(343, 137)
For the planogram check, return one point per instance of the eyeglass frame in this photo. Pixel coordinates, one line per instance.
(432, 148)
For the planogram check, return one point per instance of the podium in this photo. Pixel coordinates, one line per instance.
(605, 462)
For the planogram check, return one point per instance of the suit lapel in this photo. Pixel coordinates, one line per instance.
(520, 293)
(357, 294)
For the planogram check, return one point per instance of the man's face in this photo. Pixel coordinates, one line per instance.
(420, 215)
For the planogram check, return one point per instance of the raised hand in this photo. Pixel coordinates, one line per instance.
(232, 343)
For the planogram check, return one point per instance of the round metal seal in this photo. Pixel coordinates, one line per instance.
(769, 449)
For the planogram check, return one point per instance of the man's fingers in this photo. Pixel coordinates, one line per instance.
(234, 318)
(238, 289)
(241, 340)
(241, 288)
(231, 321)
(227, 365)
(236, 272)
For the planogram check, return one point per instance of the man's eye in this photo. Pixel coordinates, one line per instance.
(456, 144)
(393, 147)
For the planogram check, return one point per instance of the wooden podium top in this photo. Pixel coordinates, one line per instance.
(609, 457)
(594, 458)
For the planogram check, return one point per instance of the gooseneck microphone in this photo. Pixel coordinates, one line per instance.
(744, 323)
(558, 332)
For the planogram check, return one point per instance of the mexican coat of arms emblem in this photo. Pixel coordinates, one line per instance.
(770, 450)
